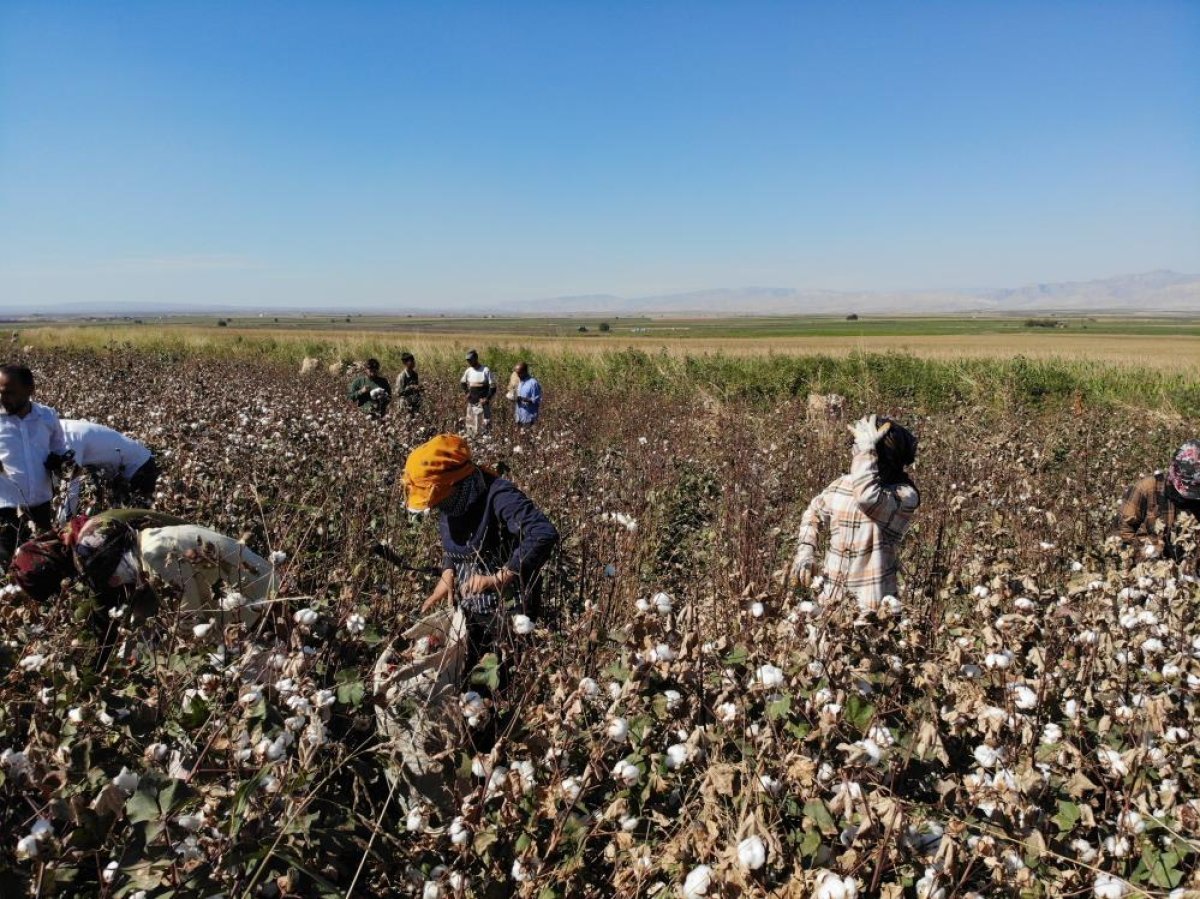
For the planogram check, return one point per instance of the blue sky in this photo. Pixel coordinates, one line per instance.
(360, 153)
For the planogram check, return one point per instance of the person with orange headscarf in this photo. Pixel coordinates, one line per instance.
(493, 536)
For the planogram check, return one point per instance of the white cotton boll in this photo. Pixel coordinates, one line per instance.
(1148, 618)
(105, 718)
(571, 788)
(727, 712)
(673, 698)
(614, 689)
(617, 730)
(752, 853)
(430, 889)
(1132, 821)
(157, 752)
(1086, 637)
(627, 772)
(663, 653)
(697, 882)
(662, 602)
(1170, 671)
(324, 698)
(757, 609)
(200, 631)
(1106, 886)
(459, 834)
(127, 781)
(889, 607)
(522, 624)
(1117, 847)
(250, 697)
(1024, 698)
(832, 886)
(356, 624)
(971, 671)
(414, 822)
(1051, 733)
(678, 755)
(1111, 759)
(1071, 708)
(807, 607)
(998, 660)
(1086, 852)
(1024, 604)
(190, 823)
(32, 662)
(770, 785)
(1176, 735)
(769, 675)
(233, 600)
(27, 847)
(278, 557)
(496, 781)
(987, 756)
(643, 605)
(629, 823)
(1077, 566)
(588, 687)
(41, 829)
(75, 715)
(305, 617)
(981, 592)
(1153, 646)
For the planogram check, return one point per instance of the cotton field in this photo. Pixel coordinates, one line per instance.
(1021, 720)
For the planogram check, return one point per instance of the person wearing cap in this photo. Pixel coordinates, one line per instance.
(371, 391)
(112, 459)
(1150, 508)
(32, 450)
(479, 385)
(494, 539)
(867, 513)
(408, 385)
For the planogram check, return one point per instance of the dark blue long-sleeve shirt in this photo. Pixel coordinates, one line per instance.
(502, 529)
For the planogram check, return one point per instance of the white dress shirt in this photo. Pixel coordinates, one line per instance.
(24, 445)
(111, 451)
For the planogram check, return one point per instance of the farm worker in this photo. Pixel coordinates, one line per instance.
(1160, 497)
(371, 391)
(112, 459)
(528, 396)
(32, 450)
(117, 551)
(479, 385)
(408, 385)
(493, 536)
(867, 512)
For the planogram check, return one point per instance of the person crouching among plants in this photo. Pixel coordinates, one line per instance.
(867, 513)
(1150, 509)
(495, 541)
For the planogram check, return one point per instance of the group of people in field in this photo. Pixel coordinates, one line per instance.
(373, 393)
(495, 539)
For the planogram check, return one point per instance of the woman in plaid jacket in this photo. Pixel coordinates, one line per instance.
(867, 513)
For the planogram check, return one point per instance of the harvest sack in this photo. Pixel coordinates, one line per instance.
(417, 692)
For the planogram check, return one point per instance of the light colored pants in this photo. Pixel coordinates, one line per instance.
(479, 418)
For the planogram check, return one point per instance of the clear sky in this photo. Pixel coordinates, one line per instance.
(366, 153)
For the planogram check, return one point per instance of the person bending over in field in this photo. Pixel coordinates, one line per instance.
(867, 513)
(1151, 507)
(371, 391)
(494, 539)
(116, 552)
(120, 468)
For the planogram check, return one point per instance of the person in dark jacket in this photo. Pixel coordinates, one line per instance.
(495, 541)
(371, 391)
(1159, 498)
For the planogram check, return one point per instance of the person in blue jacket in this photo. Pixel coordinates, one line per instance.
(527, 397)
(495, 541)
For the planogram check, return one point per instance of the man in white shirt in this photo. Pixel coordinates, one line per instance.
(32, 448)
(479, 384)
(113, 460)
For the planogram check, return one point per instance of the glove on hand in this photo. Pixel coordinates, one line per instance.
(866, 434)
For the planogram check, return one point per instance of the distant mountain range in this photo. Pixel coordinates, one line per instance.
(1159, 292)
(1152, 292)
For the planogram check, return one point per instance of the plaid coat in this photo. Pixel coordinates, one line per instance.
(867, 521)
(1146, 503)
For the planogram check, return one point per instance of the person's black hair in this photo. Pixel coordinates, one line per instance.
(20, 373)
(407, 357)
(372, 364)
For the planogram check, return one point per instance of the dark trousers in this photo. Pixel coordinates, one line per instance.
(10, 527)
(143, 481)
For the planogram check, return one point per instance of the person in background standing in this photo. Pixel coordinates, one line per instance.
(479, 385)
(371, 391)
(32, 450)
(527, 397)
(408, 385)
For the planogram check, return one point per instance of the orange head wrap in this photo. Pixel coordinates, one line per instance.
(433, 468)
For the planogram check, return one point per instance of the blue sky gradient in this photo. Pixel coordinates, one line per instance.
(456, 153)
